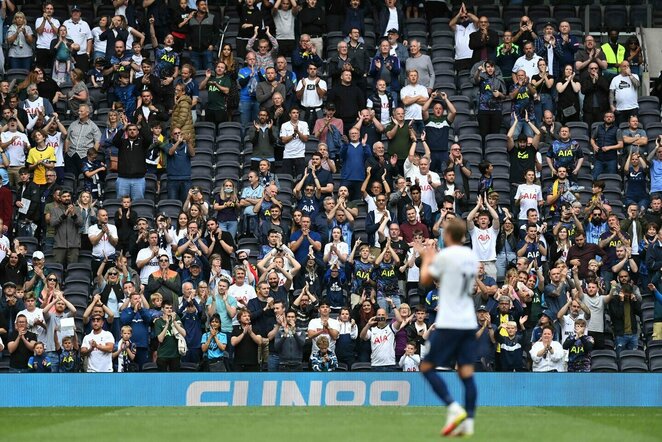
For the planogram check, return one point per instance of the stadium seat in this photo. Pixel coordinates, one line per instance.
(468, 128)
(79, 270)
(16, 74)
(229, 128)
(648, 117)
(149, 367)
(578, 128)
(55, 267)
(205, 128)
(596, 18)
(615, 16)
(443, 39)
(361, 366)
(76, 285)
(170, 207)
(342, 367)
(633, 366)
(189, 366)
(633, 361)
(144, 208)
(639, 16)
(604, 366)
(537, 12)
(564, 12)
(649, 103)
(655, 365)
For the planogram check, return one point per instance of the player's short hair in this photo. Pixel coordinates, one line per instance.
(456, 229)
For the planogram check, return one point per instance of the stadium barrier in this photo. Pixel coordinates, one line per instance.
(323, 389)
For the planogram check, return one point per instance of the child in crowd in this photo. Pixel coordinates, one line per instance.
(95, 75)
(361, 269)
(125, 92)
(410, 360)
(94, 174)
(156, 154)
(39, 363)
(70, 361)
(125, 351)
(579, 348)
(511, 348)
(485, 185)
(137, 58)
(323, 359)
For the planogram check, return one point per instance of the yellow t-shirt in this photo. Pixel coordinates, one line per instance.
(35, 156)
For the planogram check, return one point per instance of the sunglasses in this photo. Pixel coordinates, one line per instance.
(113, 273)
(52, 279)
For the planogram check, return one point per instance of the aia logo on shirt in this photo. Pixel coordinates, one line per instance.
(484, 237)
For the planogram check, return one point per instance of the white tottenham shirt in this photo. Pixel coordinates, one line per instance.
(456, 268)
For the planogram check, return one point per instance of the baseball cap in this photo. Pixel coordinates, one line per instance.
(330, 106)
(38, 255)
(8, 284)
(196, 263)
(393, 31)
(75, 8)
(482, 308)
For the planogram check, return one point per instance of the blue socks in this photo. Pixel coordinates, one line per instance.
(470, 396)
(440, 388)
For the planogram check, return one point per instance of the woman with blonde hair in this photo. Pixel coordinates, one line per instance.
(226, 204)
(20, 38)
(88, 213)
(78, 94)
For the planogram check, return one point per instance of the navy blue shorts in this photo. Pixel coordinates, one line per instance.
(452, 345)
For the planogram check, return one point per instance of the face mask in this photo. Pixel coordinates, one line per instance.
(228, 189)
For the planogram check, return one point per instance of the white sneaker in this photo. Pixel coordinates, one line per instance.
(465, 429)
(454, 417)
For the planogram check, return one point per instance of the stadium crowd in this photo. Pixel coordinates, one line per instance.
(171, 200)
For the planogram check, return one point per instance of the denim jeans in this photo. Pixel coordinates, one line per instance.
(641, 204)
(502, 261)
(381, 301)
(523, 127)
(201, 59)
(546, 103)
(134, 187)
(383, 368)
(20, 63)
(273, 362)
(229, 226)
(626, 342)
(178, 189)
(248, 111)
(54, 357)
(600, 167)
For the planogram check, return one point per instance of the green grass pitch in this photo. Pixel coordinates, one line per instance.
(318, 424)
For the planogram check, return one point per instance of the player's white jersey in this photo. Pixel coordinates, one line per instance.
(456, 268)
